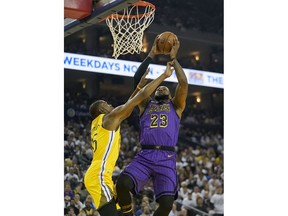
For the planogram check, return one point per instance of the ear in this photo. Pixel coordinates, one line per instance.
(101, 109)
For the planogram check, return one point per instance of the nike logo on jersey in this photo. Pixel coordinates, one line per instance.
(169, 156)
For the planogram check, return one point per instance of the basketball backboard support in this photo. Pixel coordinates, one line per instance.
(104, 9)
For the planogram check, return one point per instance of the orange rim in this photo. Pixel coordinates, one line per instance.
(141, 4)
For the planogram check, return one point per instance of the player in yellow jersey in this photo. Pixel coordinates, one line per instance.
(105, 140)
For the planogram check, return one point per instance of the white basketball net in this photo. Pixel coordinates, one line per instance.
(128, 28)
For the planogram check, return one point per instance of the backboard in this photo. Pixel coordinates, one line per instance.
(100, 10)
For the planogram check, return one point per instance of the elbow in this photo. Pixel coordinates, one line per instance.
(183, 82)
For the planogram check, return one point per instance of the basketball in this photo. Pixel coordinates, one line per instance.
(165, 42)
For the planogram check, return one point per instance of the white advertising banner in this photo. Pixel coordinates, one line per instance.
(128, 68)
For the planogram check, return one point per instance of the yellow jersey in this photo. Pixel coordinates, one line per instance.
(98, 178)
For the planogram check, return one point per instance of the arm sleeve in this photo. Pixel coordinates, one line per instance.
(141, 70)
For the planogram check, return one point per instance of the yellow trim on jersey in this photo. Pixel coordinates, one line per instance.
(103, 165)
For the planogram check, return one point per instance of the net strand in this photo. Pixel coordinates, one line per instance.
(128, 29)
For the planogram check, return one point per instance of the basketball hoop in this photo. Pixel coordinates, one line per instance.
(128, 28)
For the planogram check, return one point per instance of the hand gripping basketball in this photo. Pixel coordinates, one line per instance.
(165, 42)
(175, 48)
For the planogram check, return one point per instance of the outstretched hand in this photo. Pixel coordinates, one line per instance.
(169, 69)
(175, 48)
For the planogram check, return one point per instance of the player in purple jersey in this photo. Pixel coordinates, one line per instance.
(159, 127)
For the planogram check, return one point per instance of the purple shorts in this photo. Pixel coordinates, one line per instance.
(160, 166)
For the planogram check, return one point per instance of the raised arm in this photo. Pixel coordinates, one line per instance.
(141, 83)
(112, 120)
(144, 65)
(181, 92)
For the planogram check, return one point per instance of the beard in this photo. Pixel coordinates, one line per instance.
(161, 97)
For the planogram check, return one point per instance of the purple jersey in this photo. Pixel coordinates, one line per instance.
(159, 124)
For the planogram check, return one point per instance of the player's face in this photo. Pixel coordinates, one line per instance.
(162, 90)
(162, 93)
(107, 108)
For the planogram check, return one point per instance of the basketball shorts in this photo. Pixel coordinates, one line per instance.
(99, 184)
(160, 166)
